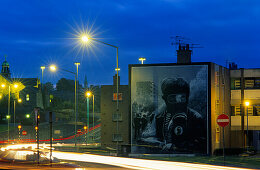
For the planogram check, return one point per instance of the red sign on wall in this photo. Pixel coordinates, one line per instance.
(223, 120)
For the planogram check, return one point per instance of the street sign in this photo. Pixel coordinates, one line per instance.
(223, 120)
(79, 130)
(24, 132)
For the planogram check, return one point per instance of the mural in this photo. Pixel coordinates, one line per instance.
(169, 109)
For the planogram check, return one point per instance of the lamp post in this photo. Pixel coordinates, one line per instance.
(88, 94)
(76, 96)
(15, 86)
(42, 68)
(93, 123)
(85, 39)
(142, 59)
(247, 104)
(53, 68)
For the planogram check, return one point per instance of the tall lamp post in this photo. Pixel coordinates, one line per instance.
(53, 68)
(247, 143)
(85, 39)
(88, 94)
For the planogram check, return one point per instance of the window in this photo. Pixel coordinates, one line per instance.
(217, 135)
(120, 96)
(237, 110)
(27, 97)
(249, 84)
(257, 107)
(117, 137)
(237, 84)
(117, 117)
(249, 110)
(51, 98)
(257, 83)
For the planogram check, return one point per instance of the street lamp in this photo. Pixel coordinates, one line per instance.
(27, 116)
(247, 105)
(88, 94)
(142, 59)
(16, 87)
(42, 68)
(85, 39)
(76, 95)
(53, 68)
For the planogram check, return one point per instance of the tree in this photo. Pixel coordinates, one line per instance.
(49, 87)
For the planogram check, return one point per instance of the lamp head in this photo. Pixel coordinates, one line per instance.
(84, 38)
(53, 68)
(3, 85)
(247, 103)
(88, 93)
(16, 86)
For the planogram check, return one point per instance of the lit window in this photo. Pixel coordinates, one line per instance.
(237, 84)
(237, 110)
(51, 98)
(117, 137)
(27, 97)
(117, 117)
(217, 134)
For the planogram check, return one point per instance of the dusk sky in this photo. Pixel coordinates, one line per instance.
(40, 32)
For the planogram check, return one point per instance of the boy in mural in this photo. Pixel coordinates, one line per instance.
(179, 128)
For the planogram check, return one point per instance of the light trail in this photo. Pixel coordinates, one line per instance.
(47, 140)
(135, 163)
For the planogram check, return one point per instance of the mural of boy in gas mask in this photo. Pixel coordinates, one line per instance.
(179, 127)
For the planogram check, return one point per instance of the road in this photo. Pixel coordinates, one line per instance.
(111, 162)
(134, 163)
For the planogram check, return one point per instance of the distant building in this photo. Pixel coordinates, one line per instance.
(111, 134)
(245, 87)
(30, 95)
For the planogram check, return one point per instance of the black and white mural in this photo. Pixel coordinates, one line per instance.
(169, 109)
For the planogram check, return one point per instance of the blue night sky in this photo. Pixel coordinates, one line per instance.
(41, 32)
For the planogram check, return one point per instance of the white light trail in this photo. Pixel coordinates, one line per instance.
(134, 163)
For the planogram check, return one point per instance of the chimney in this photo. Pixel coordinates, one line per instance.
(115, 81)
(184, 54)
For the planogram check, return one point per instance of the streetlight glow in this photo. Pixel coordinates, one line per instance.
(16, 86)
(19, 100)
(27, 116)
(88, 93)
(247, 103)
(19, 126)
(8, 116)
(53, 68)
(84, 38)
(3, 85)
